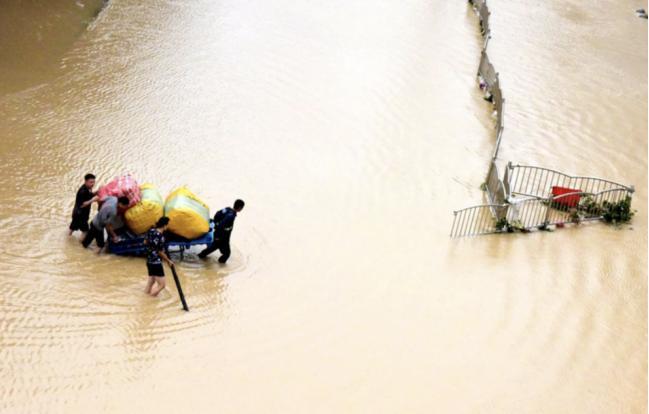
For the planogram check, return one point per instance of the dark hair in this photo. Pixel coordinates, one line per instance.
(238, 204)
(123, 200)
(89, 177)
(162, 221)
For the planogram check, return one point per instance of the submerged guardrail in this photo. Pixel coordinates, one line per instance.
(528, 197)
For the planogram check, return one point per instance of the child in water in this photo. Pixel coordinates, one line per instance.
(155, 246)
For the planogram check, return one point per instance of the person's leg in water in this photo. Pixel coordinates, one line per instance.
(99, 239)
(149, 285)
(160, 284)
(85, 228)
(225, 251)
(90, 236)
(73, 225)
(211, 248)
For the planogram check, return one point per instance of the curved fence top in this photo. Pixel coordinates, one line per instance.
(532, 179)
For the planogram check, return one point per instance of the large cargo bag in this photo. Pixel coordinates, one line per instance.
(121, 186)
(189, 216)
(144, 215)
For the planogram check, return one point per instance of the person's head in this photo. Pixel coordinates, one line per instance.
(89, 180)
(162, 224)
(238, 205)
(122, 203)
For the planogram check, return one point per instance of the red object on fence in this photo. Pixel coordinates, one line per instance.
(566, 200)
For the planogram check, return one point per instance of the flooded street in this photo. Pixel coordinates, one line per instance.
(352, 130)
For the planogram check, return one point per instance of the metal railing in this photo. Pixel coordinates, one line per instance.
(495, 187)
(483, 13)
(528, 197)
(487, 71)
(539, 181)
(528, 211)
(476, 220)
(487, 75)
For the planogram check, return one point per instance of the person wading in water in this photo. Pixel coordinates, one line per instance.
(107, 218)
(223, 221)
(81, 212)
(155, 247)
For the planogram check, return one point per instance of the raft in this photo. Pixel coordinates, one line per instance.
(131, 244)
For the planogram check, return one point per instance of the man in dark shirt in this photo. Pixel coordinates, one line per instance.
(223, 223)
(81, 212)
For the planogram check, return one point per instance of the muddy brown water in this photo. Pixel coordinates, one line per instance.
(352, 130)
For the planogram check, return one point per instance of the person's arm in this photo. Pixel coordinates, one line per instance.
(111, 231)
(166, 258)
(89, 202)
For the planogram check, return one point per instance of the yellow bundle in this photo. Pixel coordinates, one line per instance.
(189, 216)
(144, 215)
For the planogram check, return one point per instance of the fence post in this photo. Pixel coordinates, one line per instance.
(506, 181)
(548, 208)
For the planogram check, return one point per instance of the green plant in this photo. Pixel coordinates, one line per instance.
(517, 225)
(590, 206)
(617, 212)
(483, 186)
(502, 224)
(576, 216)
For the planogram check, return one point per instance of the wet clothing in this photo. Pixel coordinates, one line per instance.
(155, 269)
(155, 243)
(223, 224)
(107, 214)
(81, 215)
(79, 223)
(94, 234)
(218, 244)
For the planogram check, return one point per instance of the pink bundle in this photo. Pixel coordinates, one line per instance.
(121, 186)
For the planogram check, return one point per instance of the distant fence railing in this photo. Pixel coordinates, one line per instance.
(532, 212)
(483, 13)
(539, 181)
(528, 212)
(476, 220)
(489, 79)
(527, 197)
(495, 187)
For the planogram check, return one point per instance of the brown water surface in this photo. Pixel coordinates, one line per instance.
(352, 130)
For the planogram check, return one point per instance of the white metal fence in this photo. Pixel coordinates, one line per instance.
(476, 220)
(539, 181)
(528, 197)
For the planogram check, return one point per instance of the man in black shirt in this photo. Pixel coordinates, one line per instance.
(81, 212)
(223, 223)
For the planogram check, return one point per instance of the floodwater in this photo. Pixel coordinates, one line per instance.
(352, 130)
